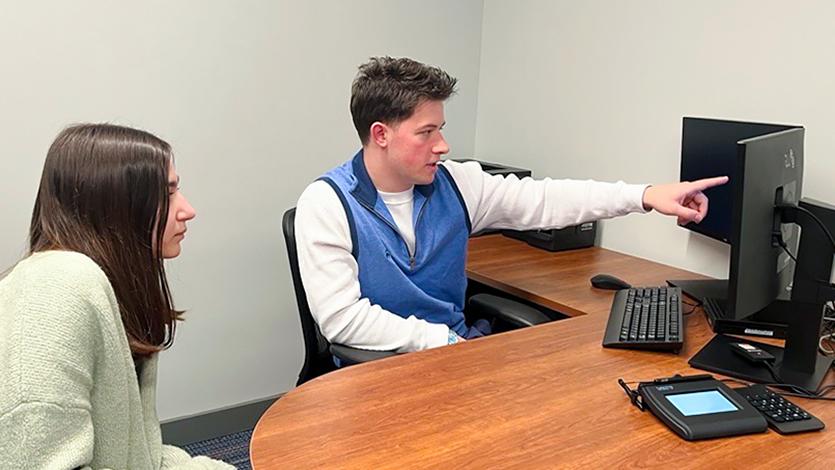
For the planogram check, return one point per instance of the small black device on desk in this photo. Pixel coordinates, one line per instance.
(646, 318)
(697, 406)
(782, 415)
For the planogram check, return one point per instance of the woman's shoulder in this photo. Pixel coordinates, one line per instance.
(64, 266)
(62, 276)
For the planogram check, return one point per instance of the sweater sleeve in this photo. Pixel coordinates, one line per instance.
(330, 275)
(495, 201)
(46, 435)
(47, 368)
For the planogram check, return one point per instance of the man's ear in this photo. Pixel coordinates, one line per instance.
(380, 134)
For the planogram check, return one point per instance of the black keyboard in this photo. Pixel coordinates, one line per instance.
(646, 318)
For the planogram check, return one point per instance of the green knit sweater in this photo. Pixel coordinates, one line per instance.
(69, 394)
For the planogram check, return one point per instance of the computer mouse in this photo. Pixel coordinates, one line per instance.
(607, 281)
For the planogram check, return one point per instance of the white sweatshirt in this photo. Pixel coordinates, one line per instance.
(330, 273)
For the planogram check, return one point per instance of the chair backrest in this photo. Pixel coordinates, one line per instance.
(317, 357)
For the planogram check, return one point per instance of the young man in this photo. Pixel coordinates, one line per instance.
(382, 239)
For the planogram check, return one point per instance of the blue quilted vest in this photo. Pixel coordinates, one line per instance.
(429, 285)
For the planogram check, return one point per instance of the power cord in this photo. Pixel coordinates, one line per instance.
(826, 344)
(796, 391)
(693, 307)
(633, 395)
(785, 248)
(818, 221)
(777, 236)
(773, 371)
(793, 390)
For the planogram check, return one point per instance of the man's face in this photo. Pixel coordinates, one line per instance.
(416, 145)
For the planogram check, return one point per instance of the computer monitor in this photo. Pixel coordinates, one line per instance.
(765, 214)
(769, 173)
(761, 160)
(709, 148)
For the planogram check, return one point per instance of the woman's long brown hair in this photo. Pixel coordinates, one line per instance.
(104, 193)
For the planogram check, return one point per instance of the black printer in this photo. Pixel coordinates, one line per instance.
(568, 238)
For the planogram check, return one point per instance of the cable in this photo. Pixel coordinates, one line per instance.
(777, 236)
(800, 395)
(739, 382)
(693, 307)
(773, 371)
(798, 391)
(795, 391)
(634, 395)
(828, 337)
(819, 222)
(828, 330)
(785, 248)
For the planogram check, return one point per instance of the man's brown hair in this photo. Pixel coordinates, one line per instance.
(389, 89)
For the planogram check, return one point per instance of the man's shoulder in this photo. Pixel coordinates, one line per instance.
(318, 207)
(316, 194)
(463, 170)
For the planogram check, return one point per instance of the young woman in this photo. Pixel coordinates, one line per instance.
(84, 315)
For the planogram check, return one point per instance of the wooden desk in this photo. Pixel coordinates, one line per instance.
(542, 397)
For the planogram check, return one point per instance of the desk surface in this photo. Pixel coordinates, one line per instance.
(541, 397)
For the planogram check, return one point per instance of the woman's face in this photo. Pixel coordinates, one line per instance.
(179, 212)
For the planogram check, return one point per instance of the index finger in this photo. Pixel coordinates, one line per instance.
(701, 185)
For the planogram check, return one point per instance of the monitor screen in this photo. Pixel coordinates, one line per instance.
(709, 148)
(701, 403)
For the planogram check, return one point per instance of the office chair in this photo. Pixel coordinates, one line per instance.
(318, 351)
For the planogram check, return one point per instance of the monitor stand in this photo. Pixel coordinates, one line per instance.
(766, 323)
(718, 357)
(799, 363)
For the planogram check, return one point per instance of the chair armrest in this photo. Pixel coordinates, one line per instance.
(350, 356)
(510, 311)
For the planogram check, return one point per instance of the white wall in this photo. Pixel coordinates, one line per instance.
(253, 95)
(597, 89)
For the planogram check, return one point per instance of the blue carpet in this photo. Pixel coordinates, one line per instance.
(231, 448)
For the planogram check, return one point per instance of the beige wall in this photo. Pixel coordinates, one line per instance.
(253, 95)
(597, 89)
